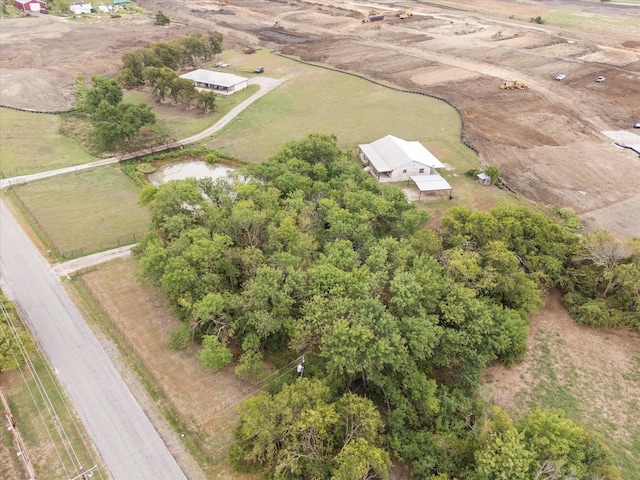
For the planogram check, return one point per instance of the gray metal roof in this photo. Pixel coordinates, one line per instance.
(429, 183)
(390, 153)
(214, 78)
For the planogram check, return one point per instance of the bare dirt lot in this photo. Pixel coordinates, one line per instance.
(546, 140)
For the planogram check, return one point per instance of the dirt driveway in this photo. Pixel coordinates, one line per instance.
(546, 140)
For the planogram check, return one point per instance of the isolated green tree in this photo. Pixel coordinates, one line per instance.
(115, 126)
(493, 172)
(102, 89)
(206, 101)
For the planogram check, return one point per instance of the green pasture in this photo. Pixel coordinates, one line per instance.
(84, 212)
(315, 99)
(32, 142)
(177, 122)
(593, 23)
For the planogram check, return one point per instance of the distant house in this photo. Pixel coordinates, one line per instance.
(80, 8)
(224, 83)
(29, 5)
(392, 159)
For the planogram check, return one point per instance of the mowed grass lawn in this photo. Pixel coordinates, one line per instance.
(87, 211)
(315, 99)
(31, 142)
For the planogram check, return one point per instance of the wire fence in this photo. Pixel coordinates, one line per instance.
(54, 251)
(463, 140)
(41, 231)
(171, 411)
(128, 239)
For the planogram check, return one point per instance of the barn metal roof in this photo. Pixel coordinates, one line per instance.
(214, 78)
(390, 153)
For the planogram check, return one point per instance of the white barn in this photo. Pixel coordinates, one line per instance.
(80, 8)
(224, 83)
(392, 159)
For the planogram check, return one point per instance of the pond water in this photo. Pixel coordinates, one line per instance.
(182, 170)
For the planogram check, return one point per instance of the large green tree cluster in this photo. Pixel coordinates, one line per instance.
(544, 445)
(188, 51)
(604, 282)
(303, 431)
(307, 254)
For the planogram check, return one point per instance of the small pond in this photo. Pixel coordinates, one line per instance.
(192, 168)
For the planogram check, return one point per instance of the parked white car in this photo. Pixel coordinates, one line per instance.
(562, 76)
(600, 79)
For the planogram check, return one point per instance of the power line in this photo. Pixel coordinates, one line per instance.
(234, 400)
(26, 382)
(66, 441)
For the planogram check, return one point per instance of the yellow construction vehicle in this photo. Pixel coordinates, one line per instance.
(405, 13)
(514, 85)
(373, 16)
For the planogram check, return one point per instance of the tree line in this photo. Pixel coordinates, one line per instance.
(306, 254)
(118, 125)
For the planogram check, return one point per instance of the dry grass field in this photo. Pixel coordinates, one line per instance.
(204, 401)
(546, 140)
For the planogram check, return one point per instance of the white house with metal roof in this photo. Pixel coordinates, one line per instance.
(392, 159)
(219, 82)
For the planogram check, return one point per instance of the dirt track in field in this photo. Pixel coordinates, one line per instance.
(546, 140)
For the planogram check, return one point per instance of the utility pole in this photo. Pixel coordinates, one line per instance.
(300, 368)
(86, 474)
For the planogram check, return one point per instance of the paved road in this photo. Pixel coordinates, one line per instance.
(130, 447)
(125, 438)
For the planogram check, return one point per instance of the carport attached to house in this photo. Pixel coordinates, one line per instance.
(431, 183)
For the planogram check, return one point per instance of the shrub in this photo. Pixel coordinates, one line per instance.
(212, 159)
(593, 313)
(570, 218)
(145, 168)
(493, 172)
(180, 337)
(162, 19)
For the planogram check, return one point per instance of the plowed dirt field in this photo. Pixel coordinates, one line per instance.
(546, 140)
